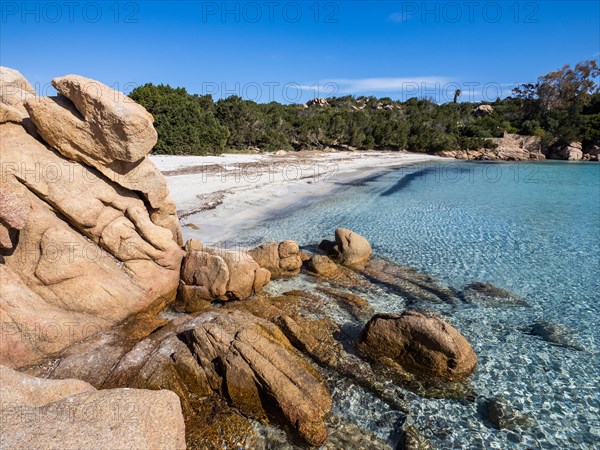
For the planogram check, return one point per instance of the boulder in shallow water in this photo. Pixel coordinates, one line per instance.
(353, 250)
(419, 344)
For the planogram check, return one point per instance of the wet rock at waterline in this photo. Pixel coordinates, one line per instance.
(352, 249)
(414, 286)
(228, 354)
(323, 266)
(349, 249)
(420, 344)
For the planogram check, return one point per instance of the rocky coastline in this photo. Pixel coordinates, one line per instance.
(110, 323)
(514, 147)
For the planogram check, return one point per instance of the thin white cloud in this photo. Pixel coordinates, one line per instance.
(391, 84)
(399, 17)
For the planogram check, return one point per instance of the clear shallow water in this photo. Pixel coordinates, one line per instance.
(531, 228)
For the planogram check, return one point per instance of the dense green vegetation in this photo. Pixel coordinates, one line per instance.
(560, 107)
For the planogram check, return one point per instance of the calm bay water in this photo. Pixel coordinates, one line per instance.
(531, 228)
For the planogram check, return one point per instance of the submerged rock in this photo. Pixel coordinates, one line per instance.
(554, 334)
(501, 414)
(412, 439)
(357, 306)
(420, 344)
(489, 295)
(414, 286)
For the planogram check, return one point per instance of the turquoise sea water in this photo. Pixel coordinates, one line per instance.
(531, 228)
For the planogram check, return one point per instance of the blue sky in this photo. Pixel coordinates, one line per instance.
(292, 51)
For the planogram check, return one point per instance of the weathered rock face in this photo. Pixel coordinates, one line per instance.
(210, 274)
(33, 410)
(572, 152)
(281, 259)
(420, 344)
(14, 210)
(91, 118)
(323, 266)
(510, 147)
(233, 354)
(14, 91)
(352, 249)
(80, 247)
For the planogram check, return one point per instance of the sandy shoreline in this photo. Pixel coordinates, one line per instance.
(217, 196)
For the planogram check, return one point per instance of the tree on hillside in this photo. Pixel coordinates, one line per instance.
(557, 100)
(457, 94)
(185, 123)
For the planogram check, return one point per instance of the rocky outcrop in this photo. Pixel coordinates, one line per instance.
(38, 413)
(319, 101)
(483, 110)
(84, 252)
(231, 354)
(14, 91)
(592, 153)
(572, 152)
(281, 259)
(510, 147)
(420, 344)
(209, 274)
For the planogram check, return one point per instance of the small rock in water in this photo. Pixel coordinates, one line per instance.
(501, 414)
(554, 334)
(489, 295)
(412, 439)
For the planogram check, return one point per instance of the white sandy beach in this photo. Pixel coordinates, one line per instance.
(218, 195)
